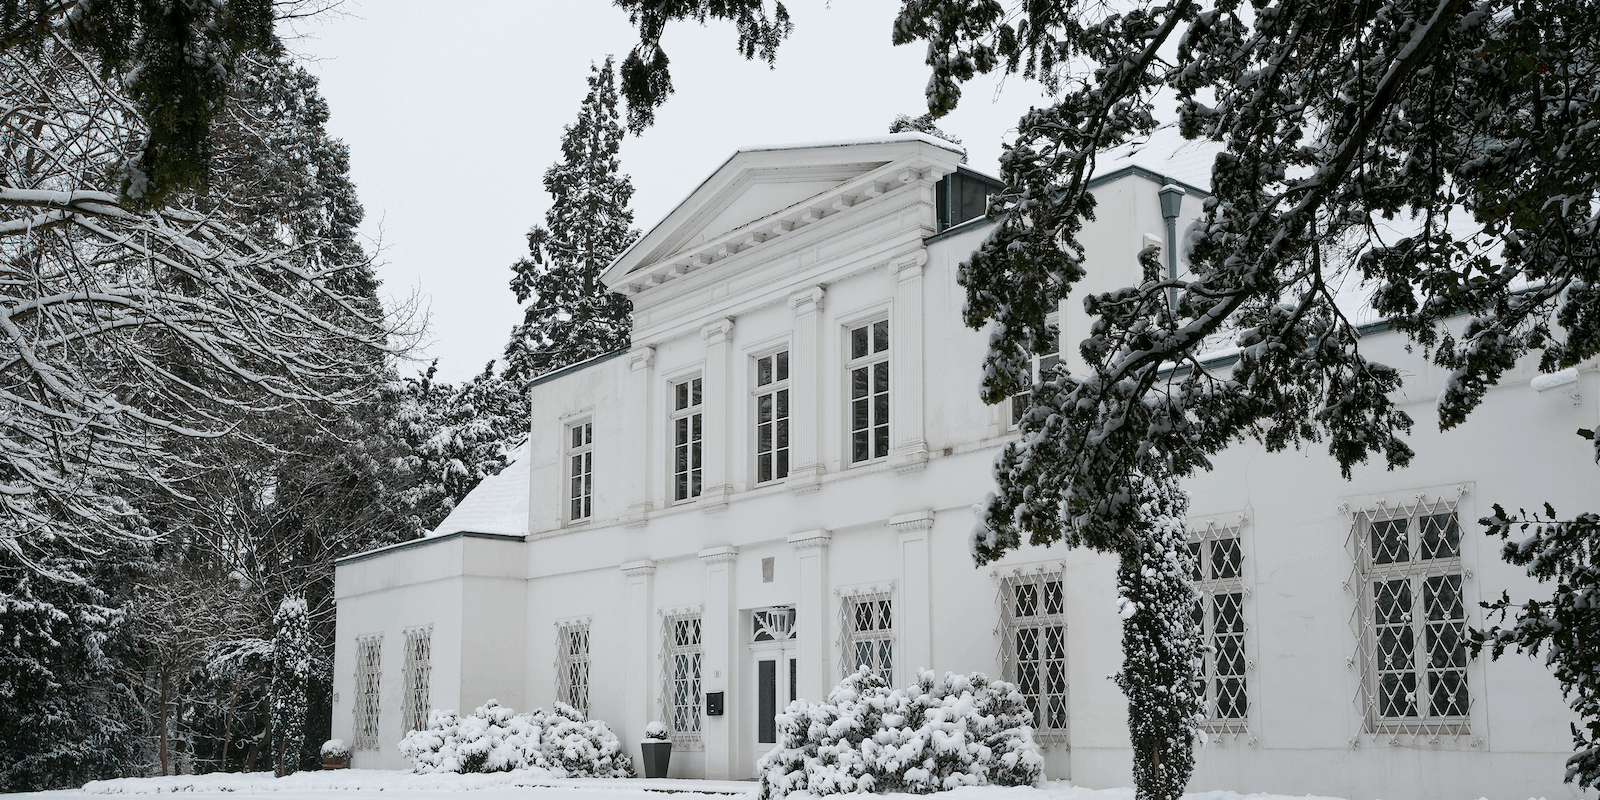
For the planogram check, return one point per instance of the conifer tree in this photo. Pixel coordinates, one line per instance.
(291, 673)
(572, 316)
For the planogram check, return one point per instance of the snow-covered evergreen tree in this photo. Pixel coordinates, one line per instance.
(1160, 672)
(291, 673)
(571, 316)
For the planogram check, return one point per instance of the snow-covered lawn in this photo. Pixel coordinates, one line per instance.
(531, 785)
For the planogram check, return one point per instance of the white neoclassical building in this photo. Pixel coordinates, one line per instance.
(774, 484)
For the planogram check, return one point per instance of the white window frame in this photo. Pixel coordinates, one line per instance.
(1220, 564)
(871, 628)
(1040, 369)
(368, 692)
(777, 393)
(1027, 610)
(691, 415)
(416, 678)
(1376, 655)
(878, 430)
(682, 677)
(579, 440)
(572, 664)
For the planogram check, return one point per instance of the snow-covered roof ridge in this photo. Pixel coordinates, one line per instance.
(499, 504)
(1166, 153)
(888, 138)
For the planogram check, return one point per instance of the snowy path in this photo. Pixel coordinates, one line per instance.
(525, 785)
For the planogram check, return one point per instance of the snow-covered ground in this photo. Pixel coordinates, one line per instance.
(529, 785)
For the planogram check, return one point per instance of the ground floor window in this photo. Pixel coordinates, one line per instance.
(416, 677)
(683, 655)
(1033, 630)
(1218, 572)
(369, 675)
(1412, 619)
(572, 665)
(866, 623)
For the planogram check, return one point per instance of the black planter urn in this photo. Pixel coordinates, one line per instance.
(657, 755)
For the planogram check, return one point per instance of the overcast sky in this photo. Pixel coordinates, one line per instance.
(454, 112)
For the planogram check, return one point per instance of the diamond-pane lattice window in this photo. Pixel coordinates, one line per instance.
(1412, 620)
(682, 654)
(416, 676)
(572, 665)
(1218, 559)
(1033, 647)
(866, 625)
(369, 675)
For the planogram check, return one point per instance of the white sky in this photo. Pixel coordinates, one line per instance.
(453, 115)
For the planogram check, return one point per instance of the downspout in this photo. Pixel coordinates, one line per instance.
(1171, 201)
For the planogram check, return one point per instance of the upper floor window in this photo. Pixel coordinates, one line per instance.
(869, 391)
(1043, 367)
(688, 429)
(772, 417)
(580, 458)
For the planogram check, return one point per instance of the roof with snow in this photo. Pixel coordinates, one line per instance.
(1167, 155)
(499, 504)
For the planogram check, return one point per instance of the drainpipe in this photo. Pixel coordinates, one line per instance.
(1171, 200)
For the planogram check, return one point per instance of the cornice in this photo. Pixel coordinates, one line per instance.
(719, 555)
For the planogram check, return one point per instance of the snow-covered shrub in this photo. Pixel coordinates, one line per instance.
(496, 739)
(964, 730)
(655, 732)
(335, 749)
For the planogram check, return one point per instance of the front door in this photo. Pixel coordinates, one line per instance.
(776, 658)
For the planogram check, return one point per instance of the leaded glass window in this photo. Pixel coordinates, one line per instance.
(572, 665)
(369, 679)
(1033, 630)
(868, 371)
(772, 417)
(867, 625)
(416, 677)
(1412, 619)
(682, 655)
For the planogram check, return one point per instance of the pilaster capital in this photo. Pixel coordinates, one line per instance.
(806, 540)
(807, 300)
(719, 555)
(639, 568)
(718, 332)
(913, 521)
(909, 265)
(642, 357)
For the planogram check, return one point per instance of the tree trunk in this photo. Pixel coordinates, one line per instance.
(227, 724)
(161, 731)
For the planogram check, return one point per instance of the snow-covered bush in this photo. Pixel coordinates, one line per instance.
(964, 730)
(496, 739)
(335, 749)
(655, 732)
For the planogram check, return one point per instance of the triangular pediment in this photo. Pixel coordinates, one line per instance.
(755, 194)
(756, 185)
